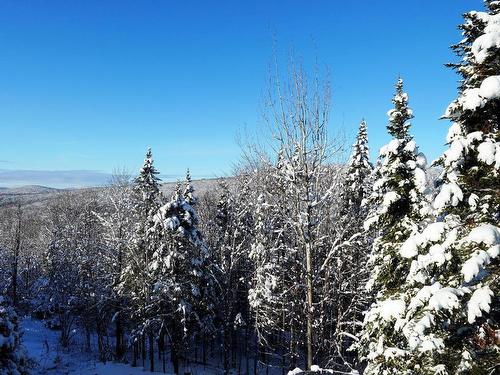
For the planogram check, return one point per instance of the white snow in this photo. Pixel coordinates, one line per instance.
(453, 131)
(445, 298)
(480, 301)
(43, 347)
(411, 146)
(486, 233)
(471, 99)
(316, 368)
(422, 296)
(490, 88)
(438, 254)
(420, 179)
(450, 193)
(488, 152)
(409, 248)
(475, 264)
(421, 160)
(473, 200)
(494, 251)
(477, 97)
(389, 198)
(432, 233)
(490, 39)
(456, 151)
(391, 309)
(391, 147)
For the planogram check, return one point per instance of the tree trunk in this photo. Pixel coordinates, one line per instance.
(151, 353)
(256, 357)
(247, 362)
(175, 340)
(88, 339)
(225, 348)
(309, 287)
(143, 349)
(119, 347)
(204, 351)
(135, 355)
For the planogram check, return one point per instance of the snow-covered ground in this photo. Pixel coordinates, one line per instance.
(43, 348)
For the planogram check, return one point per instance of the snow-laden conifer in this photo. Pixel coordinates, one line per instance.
(136, 281)
(399, 206)
(13, 360)
(452, 321)
(359, 169)
(397, 197)
(183, 300)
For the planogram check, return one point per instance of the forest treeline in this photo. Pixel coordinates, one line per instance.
(296, 261)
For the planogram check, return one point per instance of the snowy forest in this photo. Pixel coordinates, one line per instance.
(303, 261)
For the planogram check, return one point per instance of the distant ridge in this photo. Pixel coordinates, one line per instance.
(56, 179)
(27, 189)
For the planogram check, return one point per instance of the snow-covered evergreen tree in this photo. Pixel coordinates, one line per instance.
(189, 190)
(359, 169)
(452, 320)
(183, 298)
(136, 281)
(397, 198)
(399, 206)
(13, 360)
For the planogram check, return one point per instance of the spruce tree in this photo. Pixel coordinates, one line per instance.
(183, 299)
(358, 171)
(136, 280)
(452, 321)
(399, 207)
(13, 360)
(397, 200)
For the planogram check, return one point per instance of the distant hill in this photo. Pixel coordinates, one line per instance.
(36, 194)
(28, 189)
(26, 194)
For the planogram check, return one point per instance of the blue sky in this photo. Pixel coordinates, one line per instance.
(88, 85)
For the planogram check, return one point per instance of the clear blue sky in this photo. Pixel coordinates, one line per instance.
(88, 85)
